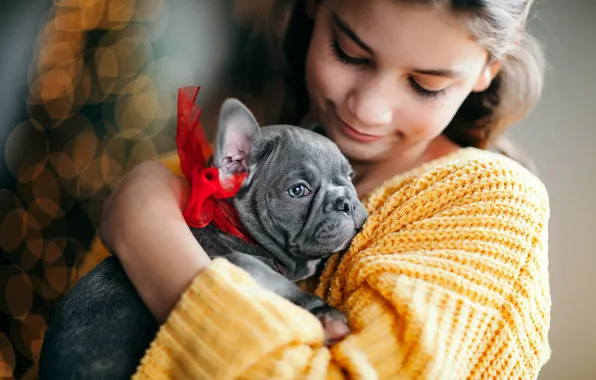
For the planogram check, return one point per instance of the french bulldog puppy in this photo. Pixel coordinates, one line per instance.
(297, 203)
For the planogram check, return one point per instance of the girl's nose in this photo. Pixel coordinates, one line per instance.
(372, 103)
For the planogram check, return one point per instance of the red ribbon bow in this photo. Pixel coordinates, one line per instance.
(207, 200)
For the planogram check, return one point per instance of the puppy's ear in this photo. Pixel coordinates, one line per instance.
(237, 134)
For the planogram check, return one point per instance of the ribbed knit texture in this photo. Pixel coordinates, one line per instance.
(447, 280)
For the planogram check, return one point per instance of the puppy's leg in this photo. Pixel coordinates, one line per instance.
(100, 330)
(334, 321)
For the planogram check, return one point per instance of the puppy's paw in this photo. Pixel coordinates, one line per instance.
(334, 323)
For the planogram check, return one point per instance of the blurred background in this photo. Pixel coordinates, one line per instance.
(88, 90)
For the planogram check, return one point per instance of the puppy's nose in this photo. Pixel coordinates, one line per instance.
(343, 204)
(338, 199)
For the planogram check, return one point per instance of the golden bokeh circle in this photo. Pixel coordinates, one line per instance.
(75, 18)
(83, 90)
(26, 164)
(21, 290)
(12, 229)
(57, 54)
(51, 34)
(45, 185)
(54, 84)
(121, 10)
(74, 147)
(55, 278)
(63, 165)
(120, 56)
(11, 225)
(84, 148)
(147, 10)
(143, 150)
(118, 65)
(54, 88)
(160, 23)
(26, 335)
(134, 113)
(33, 329)
(7, 357)
(106, 63)
(132, 53)
(90, 180)
(97, 95)
(133, 85)
(53, 249)
(91, 13)
(34, 244)
(32, 373)
(79, 185)
(165, 140)
(46, 211)
(71, 161)
(29, 259)
(111, 170)
(61, 108)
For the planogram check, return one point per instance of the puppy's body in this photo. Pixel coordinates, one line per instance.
(297, 202)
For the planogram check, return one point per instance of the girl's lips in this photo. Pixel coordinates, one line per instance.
(355, 134)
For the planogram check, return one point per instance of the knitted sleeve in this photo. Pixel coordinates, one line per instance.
(447, 280)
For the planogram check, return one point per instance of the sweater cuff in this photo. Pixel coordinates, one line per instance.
(225, 308)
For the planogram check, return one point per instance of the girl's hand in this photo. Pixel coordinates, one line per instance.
(143, 226)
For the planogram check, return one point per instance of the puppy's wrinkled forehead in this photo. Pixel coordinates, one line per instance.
(304, 147)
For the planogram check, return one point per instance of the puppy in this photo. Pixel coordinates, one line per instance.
(297, 202)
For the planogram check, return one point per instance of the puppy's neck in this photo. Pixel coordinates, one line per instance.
(300, 270)
(276, 257)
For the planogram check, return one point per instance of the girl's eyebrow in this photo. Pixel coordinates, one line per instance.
(349, 32)
(439, 73)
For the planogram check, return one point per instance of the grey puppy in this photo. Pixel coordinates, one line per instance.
(297, 202)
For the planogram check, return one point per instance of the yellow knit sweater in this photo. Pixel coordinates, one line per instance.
(447, 280)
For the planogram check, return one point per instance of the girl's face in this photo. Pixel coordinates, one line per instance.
(384, 78)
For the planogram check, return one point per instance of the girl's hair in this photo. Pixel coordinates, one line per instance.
(277, 44)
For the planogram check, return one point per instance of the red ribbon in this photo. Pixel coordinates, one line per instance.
(207, 199)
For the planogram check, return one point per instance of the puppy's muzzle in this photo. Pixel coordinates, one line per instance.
(343, 204)
(342, 200)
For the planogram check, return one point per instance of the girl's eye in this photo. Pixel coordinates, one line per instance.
(298, 191)
(423, 92)
(344, 58)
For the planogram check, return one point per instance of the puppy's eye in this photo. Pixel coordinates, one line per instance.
(298, 191)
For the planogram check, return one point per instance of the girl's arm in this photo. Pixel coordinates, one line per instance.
(142, 224)
(448, 279)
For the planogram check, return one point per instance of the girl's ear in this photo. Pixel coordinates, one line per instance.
(487, 75)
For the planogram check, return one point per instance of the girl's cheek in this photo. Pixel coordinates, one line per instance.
(322, 72)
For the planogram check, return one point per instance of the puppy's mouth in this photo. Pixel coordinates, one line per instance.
(346, 244)
(325, 239)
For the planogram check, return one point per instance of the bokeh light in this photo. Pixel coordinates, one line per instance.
(102, 89)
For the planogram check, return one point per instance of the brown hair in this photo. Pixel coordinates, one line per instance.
(277, 45)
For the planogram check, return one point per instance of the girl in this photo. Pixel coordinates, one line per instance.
(448, 278)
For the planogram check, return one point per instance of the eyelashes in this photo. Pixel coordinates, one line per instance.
(423, 92)
(342, 57)
(348, 60)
